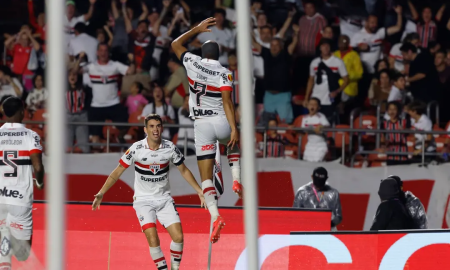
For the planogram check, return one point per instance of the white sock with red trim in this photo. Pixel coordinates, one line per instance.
(234, 159)
(210, 194)
(158, 258)
(176, 250)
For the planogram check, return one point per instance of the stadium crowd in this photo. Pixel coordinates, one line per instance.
(339, 63)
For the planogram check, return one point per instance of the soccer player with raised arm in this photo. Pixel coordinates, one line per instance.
(210, 103)
(152, 200)
(20, 156)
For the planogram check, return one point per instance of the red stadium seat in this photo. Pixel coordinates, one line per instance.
(378, 164)
(291, 151)
(440, 142)
(377, 157)
(298, 121)
(338, 136)
(288, 134)
(367, 122)
(437, 128)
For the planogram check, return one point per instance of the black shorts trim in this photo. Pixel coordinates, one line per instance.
(210, 156)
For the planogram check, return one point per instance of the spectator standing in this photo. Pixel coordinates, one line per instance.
(422, 77)
(275, 146)
(395, 55)
(277, 96)
(398, 89)
(354, 69)
(380, 88)
(160, 32)
(395, 142)
(120, 42)
(427, 28)
(316, 148)
(71, 20)
(442, 68)
(160, 107)
(177, 87)
(318, 195)
(141, 44)
(104, 75)
(368, 42)
(421, 122)
(391, 213)
(265, 32)
(101, 36)
(324, 74)
(9, 86)
(351, 16)
(37, 98)
(136, 101)
(37, 23)
(83, 42)
(310, 25)
(188, 133)
(22, 49)
(220, 33)
(77, 101)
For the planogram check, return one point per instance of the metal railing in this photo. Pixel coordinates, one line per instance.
(301, 131)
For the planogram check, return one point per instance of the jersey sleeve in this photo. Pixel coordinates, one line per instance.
(186, 58)
(128, 158)
(35, 145)
(324, 121)
(226, 81)
(381, 34)
(177, 157)
(121, 68)
(342, 69)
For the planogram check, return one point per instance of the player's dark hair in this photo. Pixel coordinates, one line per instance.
(143, 21)
(317, 100)
(220, 11)
(12, 105)
(152, 116)
(139, 85)
(80, 27)
(418, 106)
(210, 50)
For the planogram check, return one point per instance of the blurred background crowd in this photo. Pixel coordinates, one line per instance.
(377, 64)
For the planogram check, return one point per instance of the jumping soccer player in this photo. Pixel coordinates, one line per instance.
(152, 198)
(21, 153)
(210, 102)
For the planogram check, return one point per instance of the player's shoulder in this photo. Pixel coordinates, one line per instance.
(188, 57)
(166, 144)
(138, 145)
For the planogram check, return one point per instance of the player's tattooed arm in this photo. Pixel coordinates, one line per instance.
(110, 181)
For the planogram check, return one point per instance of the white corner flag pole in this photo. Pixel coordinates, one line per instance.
(245, 60)
(56, 181)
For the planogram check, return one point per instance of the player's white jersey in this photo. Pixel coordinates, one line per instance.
(207, 79)
(151, 180)
(313, 121)
(17, 143)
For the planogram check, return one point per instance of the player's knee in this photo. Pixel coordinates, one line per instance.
(153, 241)
(178, 237)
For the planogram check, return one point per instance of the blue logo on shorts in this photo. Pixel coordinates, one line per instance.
(141, 218)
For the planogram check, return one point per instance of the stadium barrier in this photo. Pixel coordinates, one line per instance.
(301, 131)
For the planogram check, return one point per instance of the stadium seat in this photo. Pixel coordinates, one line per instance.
(437, 128)
(290, 135)
(135, 117)
(113, 132)
(338, 136)
(410, 142)
(367, 122)
(378, 164)
(298, 121)
(259, 137)
(440, 142)
(378, 157)
(291, 151)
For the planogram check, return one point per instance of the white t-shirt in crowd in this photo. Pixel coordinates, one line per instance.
(70, 25)
(224, 37)
(410, 27)
(8, 89)
(104, 79)
(424, 124)
(322, 91)
(148, 109)
(84, 43)
(374, 41)
(35, 97)
(310, 121)
(397, 55)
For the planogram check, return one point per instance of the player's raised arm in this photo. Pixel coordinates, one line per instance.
(124, 162)
(177, 44)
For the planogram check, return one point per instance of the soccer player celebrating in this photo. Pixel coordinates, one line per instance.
(21, 153)
(210, 102)
(152, 198)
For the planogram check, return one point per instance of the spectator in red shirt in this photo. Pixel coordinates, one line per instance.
(22, 48)
(37, 23)
(141, 44)
(426, 26)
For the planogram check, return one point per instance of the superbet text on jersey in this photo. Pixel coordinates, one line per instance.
(17, 143)
(207, 79)
(151, 180)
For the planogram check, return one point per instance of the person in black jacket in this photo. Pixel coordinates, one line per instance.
(391, 213)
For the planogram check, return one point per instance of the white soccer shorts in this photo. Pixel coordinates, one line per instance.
(207, 132)
(147, 211)
(315, 152)
(18, 219)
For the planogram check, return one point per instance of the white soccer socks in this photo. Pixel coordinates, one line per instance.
(210, 194)
(176, 250)
(234, 160)
(5, 249)
(158, 258)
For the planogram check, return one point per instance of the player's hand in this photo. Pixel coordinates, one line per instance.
(39, 186)
(203, 26)
(334, 94)
(398, 9)
(97, 201)
(234, 138)
(305, 103)
(202, 201)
